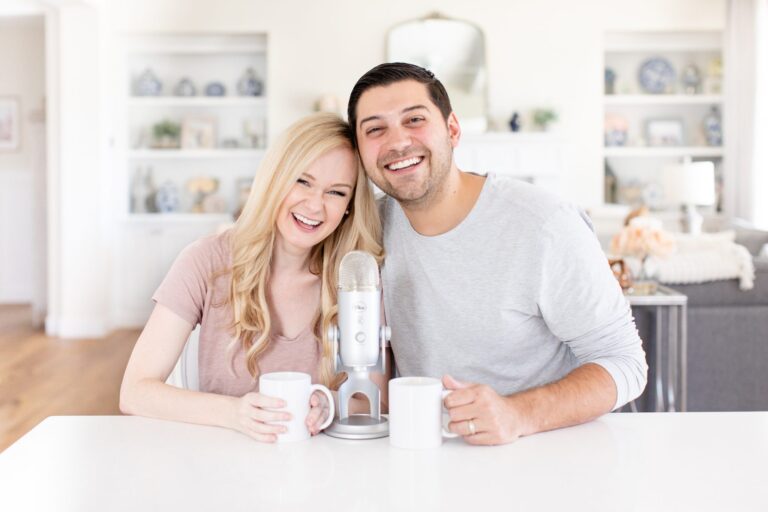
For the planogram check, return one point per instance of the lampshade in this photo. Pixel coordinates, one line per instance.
(691, 183)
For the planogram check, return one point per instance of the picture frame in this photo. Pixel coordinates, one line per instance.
(10, 123)
(198, 133)
(664, 132)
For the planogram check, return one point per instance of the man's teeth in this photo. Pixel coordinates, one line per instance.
(305, 220)
(404, 163)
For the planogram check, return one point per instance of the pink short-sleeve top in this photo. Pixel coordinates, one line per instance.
(190, 291)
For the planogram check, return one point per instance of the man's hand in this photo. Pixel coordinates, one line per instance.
(480, 415)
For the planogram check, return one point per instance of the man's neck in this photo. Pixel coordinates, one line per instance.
(448, 207)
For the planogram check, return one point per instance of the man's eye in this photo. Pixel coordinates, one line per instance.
(416, 119)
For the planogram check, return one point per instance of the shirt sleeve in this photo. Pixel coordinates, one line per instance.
(185, 287)
(583, 305)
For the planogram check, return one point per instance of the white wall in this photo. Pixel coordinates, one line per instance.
(22, 172)
(540, 53)
(79, 221)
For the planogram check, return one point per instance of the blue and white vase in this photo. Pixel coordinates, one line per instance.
(167, 198)
(185, 87)
(713, 127)
(148, 84)
(249, 84)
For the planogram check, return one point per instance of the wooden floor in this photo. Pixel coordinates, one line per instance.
(42, 376)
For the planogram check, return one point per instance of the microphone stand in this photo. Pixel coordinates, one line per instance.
(359, 426)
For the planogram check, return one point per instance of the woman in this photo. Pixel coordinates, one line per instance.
(263, 292)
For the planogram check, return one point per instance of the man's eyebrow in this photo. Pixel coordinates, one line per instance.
(369, 118)
(312, 178)
(405, 110)
(415, 107)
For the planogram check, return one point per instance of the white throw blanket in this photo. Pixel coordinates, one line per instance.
(707, 257)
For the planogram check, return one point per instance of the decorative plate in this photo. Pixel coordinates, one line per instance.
(215, 89)
(656, 75)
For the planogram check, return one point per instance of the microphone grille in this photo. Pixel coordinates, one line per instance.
(358, 271)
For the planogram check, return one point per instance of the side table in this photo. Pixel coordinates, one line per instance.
(673, 339)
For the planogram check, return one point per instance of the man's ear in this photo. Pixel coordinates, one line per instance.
(454, 129)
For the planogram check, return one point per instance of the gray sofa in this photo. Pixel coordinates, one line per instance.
(727, 338)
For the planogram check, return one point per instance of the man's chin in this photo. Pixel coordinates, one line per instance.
(408, 197)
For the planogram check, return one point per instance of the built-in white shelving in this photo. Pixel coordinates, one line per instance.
(654, 152)
(219, 137)
(663, 99)
(635, 162)
(196, 101)
(196, 154)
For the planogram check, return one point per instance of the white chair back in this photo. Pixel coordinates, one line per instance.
(185, 373)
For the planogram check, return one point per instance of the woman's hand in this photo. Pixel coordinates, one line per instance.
(252, 417)
(318, 412)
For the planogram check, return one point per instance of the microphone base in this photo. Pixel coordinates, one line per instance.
(359, 426)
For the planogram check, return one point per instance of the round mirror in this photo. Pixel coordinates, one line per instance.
(454, 51)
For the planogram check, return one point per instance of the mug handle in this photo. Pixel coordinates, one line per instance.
(447, 433)
(327, 392)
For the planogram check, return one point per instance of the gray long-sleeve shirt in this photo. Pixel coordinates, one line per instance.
(517, 295)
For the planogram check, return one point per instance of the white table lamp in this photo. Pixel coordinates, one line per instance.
(690, 184)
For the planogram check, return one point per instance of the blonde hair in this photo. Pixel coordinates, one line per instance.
(253, 237)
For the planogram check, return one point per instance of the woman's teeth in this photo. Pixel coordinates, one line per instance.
(304, 220)
(402, 164)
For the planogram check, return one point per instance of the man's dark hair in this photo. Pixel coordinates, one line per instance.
(389, 73)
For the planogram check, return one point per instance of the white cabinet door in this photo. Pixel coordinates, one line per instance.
(144, 254)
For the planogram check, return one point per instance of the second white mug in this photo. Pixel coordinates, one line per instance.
(416, 413)
(295, 388)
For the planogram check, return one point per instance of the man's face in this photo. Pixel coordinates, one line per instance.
(405, 144)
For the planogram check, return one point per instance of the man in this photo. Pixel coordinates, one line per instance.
(492, 283)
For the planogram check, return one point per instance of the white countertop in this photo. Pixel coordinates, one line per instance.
(638, 462)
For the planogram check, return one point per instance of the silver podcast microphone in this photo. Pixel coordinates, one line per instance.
(359, 342)
(359, 294)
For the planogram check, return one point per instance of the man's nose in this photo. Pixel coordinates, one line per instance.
(399, 139)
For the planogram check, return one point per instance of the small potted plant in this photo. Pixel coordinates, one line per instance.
(543, 118)
(166, 134)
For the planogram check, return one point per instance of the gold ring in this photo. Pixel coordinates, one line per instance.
(471, 426)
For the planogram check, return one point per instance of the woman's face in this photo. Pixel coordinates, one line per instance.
(316, 203)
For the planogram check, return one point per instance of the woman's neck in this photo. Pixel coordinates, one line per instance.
(288, 260)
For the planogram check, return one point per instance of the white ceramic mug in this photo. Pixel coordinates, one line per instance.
(295, 388)
(416, 413)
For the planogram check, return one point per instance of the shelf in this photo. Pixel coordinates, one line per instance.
(178, 217)
(177, 154)
(645, 151)
(662, 99)
(197, 101)
(664, 41)
(214, 45)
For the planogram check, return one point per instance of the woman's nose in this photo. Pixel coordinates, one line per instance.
(314, 200)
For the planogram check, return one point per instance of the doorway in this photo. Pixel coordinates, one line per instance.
(23, 260)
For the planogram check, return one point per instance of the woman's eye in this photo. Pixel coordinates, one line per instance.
(371, 131)
(338, 193)
(302, 181)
